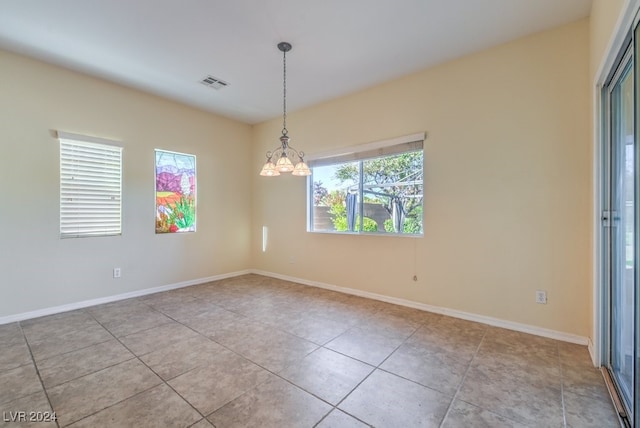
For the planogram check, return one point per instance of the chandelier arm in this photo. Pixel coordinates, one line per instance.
(277, 152)
(300, 155)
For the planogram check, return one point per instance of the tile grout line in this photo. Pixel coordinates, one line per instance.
(93, 372)
(564, 410)
(114, 404)
(235, 353)
(334, 408)
(143, 363)
(464, 377)
(96, 371)
(231, 350)
(74, 350)
(82, 310)
(319, 346)
(134, 355)
(377, 367)
(405, 378)
(35, 366)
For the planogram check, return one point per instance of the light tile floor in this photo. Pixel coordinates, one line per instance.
(253, 351)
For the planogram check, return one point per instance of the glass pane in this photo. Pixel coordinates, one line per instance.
(393, 193)
(335, 198)
(175, 192)
(623, 231)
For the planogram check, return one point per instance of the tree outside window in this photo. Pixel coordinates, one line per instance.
(378, 195)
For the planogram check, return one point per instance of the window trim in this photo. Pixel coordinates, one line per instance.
(66, 138)
(61, 135)
(367, 150)
(358, 153)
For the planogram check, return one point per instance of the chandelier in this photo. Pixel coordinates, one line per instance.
(284, 153)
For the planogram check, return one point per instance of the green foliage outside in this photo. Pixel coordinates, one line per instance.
(392, 174)
(338, 213)
(411, 225)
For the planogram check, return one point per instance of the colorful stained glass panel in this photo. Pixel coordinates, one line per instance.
(175, 192)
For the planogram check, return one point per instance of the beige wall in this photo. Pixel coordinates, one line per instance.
(604, 16)
(507, 185)
(39, 270)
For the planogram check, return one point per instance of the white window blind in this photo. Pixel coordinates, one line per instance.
(90, 187)
(393, 146)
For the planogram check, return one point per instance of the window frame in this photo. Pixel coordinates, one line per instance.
(111, 172)
(360, 154)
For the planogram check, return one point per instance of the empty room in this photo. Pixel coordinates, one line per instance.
(279, 213)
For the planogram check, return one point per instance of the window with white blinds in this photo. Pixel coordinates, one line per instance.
(90, 186)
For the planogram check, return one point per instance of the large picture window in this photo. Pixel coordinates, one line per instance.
(90, 186)
(374, 188)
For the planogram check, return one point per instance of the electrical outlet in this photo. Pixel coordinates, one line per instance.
(117, 273)
(541, 297)
(292, 259)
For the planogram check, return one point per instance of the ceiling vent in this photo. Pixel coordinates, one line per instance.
(214, 82)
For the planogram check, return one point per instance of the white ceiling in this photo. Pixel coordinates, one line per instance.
(339, 46)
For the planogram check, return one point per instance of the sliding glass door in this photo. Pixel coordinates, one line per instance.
(620, 226)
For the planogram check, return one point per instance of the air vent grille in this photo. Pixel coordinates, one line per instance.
(214, 82)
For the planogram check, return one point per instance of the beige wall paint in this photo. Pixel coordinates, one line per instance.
(39, 270)
(507, 185)
(604, 16)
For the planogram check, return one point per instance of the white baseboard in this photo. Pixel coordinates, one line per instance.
(496, 322)
(101, 300)
(592, 353)
(510, 325)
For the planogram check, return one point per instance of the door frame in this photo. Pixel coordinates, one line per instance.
(626, 31)
(626, 21)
